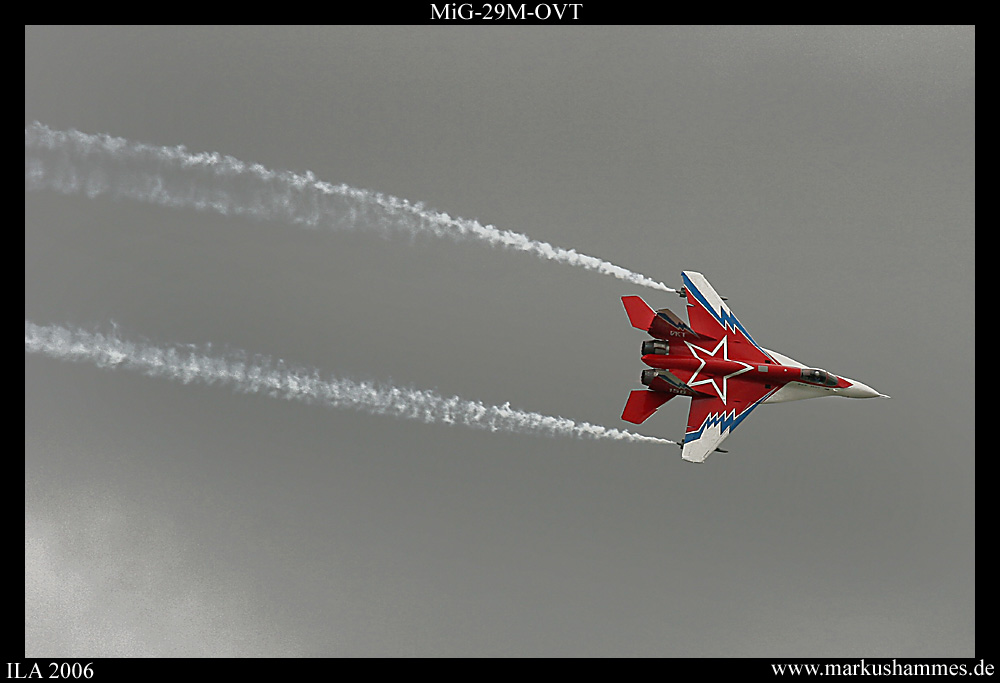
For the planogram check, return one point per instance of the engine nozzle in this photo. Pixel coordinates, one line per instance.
(655, 346)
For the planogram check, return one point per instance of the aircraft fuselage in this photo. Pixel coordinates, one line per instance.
(764, 373)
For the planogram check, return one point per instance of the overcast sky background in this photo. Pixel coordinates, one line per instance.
(823, 179)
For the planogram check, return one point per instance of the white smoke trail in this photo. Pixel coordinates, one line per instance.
(72, 162)
(260, 375)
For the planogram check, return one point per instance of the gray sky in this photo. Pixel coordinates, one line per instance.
(823, 179)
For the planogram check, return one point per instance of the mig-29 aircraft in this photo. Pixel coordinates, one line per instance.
(716, 362)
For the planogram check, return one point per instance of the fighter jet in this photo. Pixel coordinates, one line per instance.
(716, 362)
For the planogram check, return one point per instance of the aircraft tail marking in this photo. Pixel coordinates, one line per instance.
(661, 324)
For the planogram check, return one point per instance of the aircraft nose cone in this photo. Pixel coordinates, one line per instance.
(859, 390)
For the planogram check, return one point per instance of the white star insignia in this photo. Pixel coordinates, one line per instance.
(724, 345)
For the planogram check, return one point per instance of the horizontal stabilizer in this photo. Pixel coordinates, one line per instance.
(639, 313)
(661, 324)
(641, 404)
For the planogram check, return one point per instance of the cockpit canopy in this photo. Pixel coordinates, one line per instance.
(817, 376)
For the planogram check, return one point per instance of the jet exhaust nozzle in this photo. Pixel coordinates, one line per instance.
(648, 376)
(655, 346)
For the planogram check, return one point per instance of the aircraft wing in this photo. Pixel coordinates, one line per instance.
(711, 317)
(713, 418)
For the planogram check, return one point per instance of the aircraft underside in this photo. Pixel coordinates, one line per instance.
(716, 363)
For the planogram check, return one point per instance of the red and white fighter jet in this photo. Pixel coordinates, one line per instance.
(716, 362)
